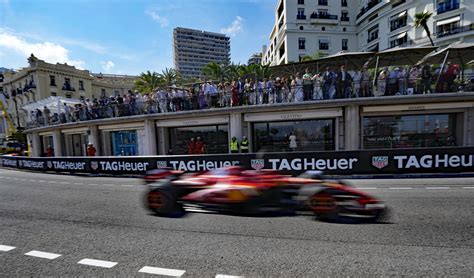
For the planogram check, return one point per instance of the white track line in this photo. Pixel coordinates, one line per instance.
(98, 263)
(438, 187)
(6, 248)
(44, 255)
(227, 276)
(366, 188)
(78, 183)
(108, 184)
(397, 188)
(468, 187)
(93, 184)
(64, 182)
(162, 271)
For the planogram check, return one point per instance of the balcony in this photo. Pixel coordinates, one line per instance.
(301, 16)
(323, 16)
(323, 2)
(369, 6)
(344, 18)
(454, 31)
(371, 39)
(67, 87)
(447, 6)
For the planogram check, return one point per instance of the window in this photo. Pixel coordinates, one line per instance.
(398, 21)
(343, 3)
(448, 26)
(324, 44)
(399, 40)
(323, 2)
(52, 80)
(53, 94)
(344, 16)
(373, 33)
(397, 3)
(214, 137)
(124, 143)
(344, 44)
(311, 135)
(81, 85)
(300, 14)
(300, 2)
(301, 43)
(409, 131)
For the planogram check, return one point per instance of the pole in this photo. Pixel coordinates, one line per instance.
(442, 67)
(375, 73)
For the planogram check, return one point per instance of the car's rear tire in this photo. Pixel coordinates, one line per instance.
(163, 202)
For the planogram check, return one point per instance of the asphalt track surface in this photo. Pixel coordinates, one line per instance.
(63, 225)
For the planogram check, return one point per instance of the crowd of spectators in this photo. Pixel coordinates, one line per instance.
(325, 85)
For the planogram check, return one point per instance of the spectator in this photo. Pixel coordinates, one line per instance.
(47, 115)
(200, 146)
(307, 85)
(49, 151)
(91, 150)
(365, 83)
(191, 146)
(343, 82)
(426, 78)
(234, 145)
(244, 145)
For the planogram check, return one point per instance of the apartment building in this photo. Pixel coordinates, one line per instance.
(366, 25)
(40, 80)
(311, 27)
(194, 49)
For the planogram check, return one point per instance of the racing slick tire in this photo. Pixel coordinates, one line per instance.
(163, 202)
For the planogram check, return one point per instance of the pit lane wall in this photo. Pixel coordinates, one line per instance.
(373, 162)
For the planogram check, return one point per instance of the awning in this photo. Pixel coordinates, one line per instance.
(402, 14)
(54, 104)
(449, 20)
(401, 35)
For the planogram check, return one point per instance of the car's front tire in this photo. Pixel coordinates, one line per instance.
(163, 202)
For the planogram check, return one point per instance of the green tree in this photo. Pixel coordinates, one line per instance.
(215, 71)
(148, 81)
(421, 20)
(170, 76)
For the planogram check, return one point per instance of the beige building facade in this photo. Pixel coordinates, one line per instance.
(40, 80)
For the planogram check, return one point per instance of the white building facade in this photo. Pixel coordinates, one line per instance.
(307, 27)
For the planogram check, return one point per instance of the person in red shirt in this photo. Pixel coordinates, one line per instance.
(191, 146)
(90, 151)
(200, 146)
(49, 151)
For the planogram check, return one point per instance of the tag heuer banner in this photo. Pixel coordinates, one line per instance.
(405, 161)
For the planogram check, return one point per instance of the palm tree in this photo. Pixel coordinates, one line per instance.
(215, 71)
(421, 20)
(148, 81)
(169, 76)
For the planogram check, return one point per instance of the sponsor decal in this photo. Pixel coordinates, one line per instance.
(9, 162)
(49, 164)
(430, 161)
(161, 164)
(94, 165)
(257, 164)
(20, 163)
(123, 166)
(305, 164)
(68, 165)
(380, 162)
(31, 164)
(201, 165)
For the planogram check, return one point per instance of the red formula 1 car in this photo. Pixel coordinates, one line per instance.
(236, 190)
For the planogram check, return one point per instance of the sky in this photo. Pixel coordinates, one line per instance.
(124, 37)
